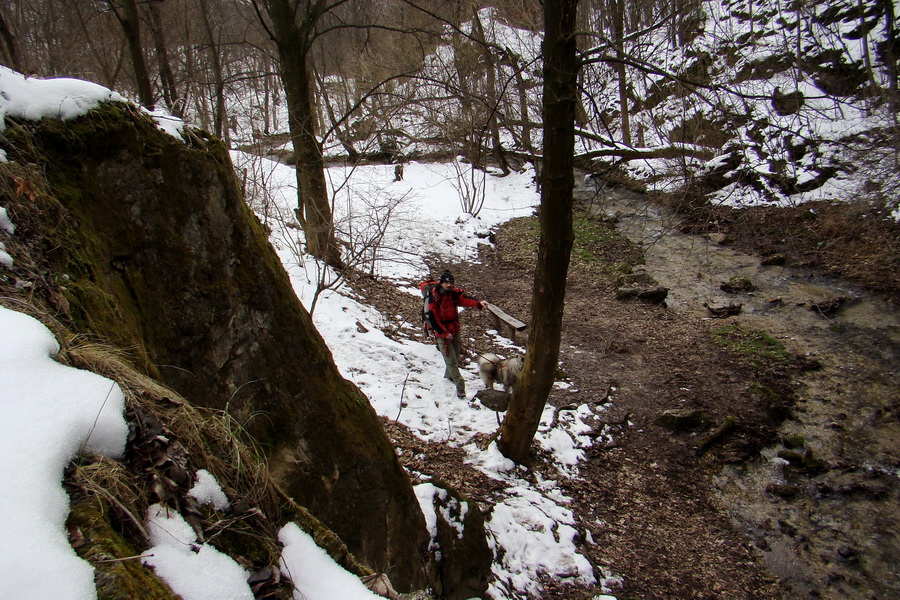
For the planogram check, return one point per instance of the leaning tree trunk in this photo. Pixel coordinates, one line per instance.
(220, 117)
(491, 96)
(313, 206)
(548, 298)
(516, 67)
(890, 53)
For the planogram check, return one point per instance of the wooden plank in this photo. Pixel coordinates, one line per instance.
(511, 322)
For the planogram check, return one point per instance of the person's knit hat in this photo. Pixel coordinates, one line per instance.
(446, 277)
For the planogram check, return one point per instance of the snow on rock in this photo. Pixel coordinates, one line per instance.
(32, 98)
(191, 571)
(48, 413)
(315, 575)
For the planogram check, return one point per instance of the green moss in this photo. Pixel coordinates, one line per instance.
(119, 574)
(326, 539)
(794, 441)
(803, 459)
(590, 236)
(738, 283)
(759, 348)
(598, 247)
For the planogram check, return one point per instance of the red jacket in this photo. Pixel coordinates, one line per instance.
(441, 310)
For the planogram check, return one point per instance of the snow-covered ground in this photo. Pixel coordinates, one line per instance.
(530, 527)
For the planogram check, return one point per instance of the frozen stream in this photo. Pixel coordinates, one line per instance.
(835, 533)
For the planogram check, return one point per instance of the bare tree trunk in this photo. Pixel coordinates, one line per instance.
(220, 117)
(491, 96)
(890, 52)
(170, 93)
(292, 26)
(548, 298)
(192, 77)
(513, 61)
(267, 96)
(340, 132)
(109, 70)
(469, 130)
(131, 26)
(8, 51)
(618, 16)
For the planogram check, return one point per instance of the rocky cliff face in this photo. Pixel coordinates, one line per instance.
(159, 253)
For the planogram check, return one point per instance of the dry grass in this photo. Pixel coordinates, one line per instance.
(213, 439)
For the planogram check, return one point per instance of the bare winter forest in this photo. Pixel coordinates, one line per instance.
(761, 132)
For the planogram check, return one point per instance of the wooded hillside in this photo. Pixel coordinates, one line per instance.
(771, 98)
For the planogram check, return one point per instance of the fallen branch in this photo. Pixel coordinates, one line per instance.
(726, 426)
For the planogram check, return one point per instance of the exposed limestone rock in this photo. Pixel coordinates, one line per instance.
(497, 400)
(737, 284)
(465, 559)
(803, 459)
(640, 285)
(682, 419)
(723, 312)
(720, 239)
(162, 255)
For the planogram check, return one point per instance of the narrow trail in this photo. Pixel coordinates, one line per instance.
(830, 531)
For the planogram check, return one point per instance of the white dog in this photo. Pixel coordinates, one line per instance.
(493, 369)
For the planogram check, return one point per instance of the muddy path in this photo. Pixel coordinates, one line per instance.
(824, 521)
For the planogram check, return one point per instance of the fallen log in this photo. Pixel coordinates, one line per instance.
(716, 434)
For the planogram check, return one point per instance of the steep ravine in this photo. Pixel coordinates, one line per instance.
(825, 520)
(144, 242)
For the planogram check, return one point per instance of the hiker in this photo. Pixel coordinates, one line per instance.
(443, 319)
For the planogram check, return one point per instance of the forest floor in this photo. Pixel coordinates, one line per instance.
(654, 500)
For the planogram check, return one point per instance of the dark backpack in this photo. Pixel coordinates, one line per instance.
(427, 288)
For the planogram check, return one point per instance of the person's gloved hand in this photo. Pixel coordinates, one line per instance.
(447, 335)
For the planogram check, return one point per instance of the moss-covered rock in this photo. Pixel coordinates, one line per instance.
(155, 250)
(678, 419)
(118, 572)
(737, 284)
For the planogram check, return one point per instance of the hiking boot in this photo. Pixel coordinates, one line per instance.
(460, 394)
